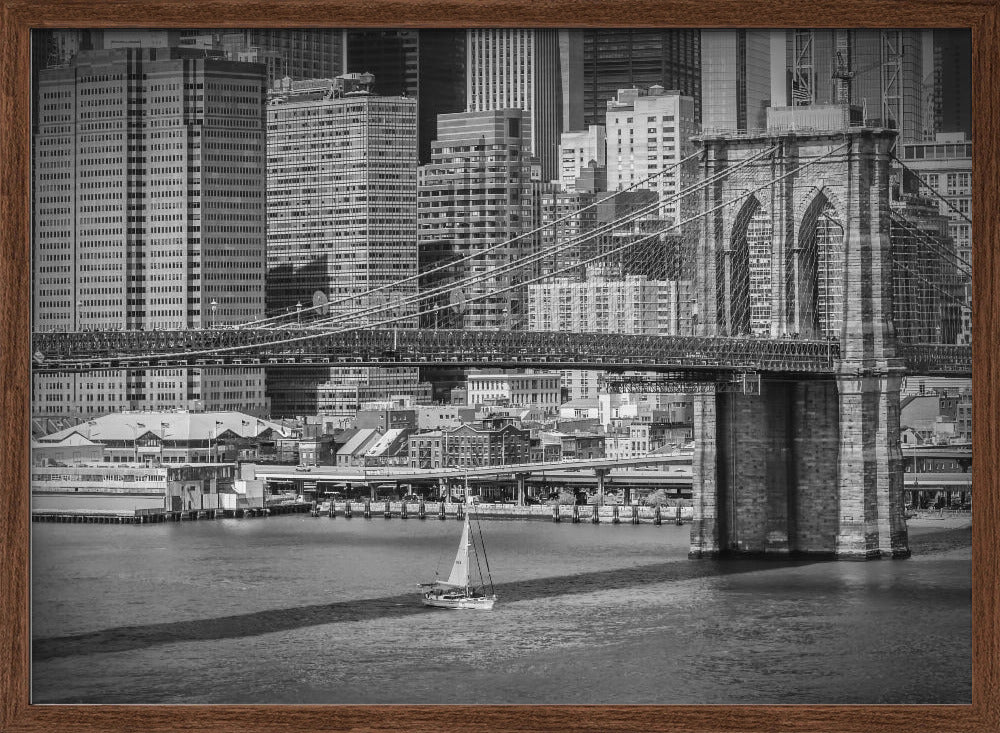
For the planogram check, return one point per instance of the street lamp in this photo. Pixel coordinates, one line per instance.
(214, 305)
(298, 313)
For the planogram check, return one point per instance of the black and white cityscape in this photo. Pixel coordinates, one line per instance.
(651, 324)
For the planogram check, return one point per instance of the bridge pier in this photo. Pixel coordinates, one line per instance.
(803, 468)
(872, 522)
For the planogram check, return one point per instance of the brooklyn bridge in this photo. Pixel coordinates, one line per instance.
(794, 263)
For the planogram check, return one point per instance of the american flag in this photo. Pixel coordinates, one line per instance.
(800, 93)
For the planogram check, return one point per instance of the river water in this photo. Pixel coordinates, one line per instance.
(296, 609)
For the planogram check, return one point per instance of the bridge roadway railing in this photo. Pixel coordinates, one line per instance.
(947, 360)
(91, 350)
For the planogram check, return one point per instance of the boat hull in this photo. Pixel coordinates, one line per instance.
(461, 603)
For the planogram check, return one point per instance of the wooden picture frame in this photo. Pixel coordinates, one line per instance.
(20, 16)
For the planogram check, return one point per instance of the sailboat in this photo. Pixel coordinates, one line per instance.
(459, 591)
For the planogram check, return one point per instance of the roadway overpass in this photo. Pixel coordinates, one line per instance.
(602, 473)
(599, 472)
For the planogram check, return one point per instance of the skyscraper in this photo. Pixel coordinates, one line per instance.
(520, 69)
(736, 77)
(428, 64)
(341, 204)
(952, 69)
(341, 208)
(621, 58)
(148, 214)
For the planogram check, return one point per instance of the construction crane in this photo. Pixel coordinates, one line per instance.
(842, 73)
(842, 76)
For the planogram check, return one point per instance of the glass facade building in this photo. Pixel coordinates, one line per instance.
(621, 58)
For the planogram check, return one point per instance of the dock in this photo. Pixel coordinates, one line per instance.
(158, 516)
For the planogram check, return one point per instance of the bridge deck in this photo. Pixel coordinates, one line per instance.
(684, 355)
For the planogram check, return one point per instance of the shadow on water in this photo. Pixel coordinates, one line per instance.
(129, 638)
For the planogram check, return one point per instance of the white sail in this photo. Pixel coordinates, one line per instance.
(460, 570)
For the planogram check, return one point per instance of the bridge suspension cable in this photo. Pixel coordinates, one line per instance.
(493, 248)
(924, 184)
(940, 249)
(525, 263)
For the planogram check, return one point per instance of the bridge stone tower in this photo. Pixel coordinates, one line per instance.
(807, 466)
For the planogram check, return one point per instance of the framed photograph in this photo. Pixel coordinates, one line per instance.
(309, 309)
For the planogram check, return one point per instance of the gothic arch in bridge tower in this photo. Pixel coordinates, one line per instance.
(816, 267)
(744, 269)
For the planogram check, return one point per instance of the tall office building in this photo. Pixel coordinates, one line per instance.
(571, 72)
(952, 80)
(649, 133)
(880, 71)
(148, 204)
(476, 194)
(427, 64)
(341, 195)
(520, 69)
(342, 223)
(736, 77)
(621, 58)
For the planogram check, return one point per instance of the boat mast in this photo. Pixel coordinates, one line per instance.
(467, 533)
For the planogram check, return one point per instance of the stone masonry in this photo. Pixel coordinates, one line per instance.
(810, 467)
